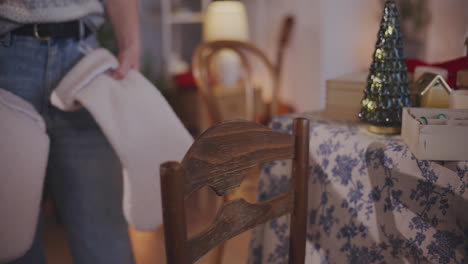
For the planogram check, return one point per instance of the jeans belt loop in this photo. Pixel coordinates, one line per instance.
(39, 37)
(81, 29)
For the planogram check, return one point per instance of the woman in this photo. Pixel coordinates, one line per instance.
(40, 41)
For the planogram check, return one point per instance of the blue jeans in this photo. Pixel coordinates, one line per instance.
(83, 173)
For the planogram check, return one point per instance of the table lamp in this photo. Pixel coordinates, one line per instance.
(226, 20)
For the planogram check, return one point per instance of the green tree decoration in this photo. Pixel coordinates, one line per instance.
(387, 84)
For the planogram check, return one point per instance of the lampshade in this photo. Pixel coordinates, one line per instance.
(225, 20)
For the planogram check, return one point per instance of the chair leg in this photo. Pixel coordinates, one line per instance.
(218, 254)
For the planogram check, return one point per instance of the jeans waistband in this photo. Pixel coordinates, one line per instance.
(67, 30)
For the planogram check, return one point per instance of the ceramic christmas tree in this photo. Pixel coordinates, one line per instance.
(387, 84)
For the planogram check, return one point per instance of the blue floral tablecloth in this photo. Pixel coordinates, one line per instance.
(370, 201)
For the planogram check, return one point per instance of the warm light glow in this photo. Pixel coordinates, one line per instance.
(389, 31)
(225, 20)
(376, 81)
(371, 105)
(379, 53)
(364, 102)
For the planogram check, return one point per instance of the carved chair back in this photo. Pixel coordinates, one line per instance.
(219, 158)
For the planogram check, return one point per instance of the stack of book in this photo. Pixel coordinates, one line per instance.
(344, 94)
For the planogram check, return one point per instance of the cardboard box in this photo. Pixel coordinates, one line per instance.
(344, 95)
(436, 140)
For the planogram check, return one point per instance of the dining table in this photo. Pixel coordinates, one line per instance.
(370, 200)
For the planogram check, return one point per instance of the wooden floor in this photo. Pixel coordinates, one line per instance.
(148, 247)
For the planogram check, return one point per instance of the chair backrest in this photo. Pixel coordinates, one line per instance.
(220, 158)
(203, 58)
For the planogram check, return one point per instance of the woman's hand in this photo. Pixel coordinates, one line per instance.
(129, 58)
(123, 16)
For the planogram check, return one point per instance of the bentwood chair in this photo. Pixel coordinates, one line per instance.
(202, 67)
(219, 158)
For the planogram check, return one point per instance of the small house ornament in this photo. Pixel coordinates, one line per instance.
(433, 91)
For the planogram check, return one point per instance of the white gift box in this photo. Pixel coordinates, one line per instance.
(436, 133)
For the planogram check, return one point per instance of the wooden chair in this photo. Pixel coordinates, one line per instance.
(202, 60)
(219, 158)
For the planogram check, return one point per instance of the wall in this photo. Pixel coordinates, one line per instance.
(331, 38)
(335, 37)
(349, 32)
(302, 58)
(448, 30)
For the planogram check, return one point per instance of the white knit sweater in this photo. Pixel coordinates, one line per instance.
(14, 13)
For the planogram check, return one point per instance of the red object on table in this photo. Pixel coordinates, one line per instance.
(452, 66)
(185, 81)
